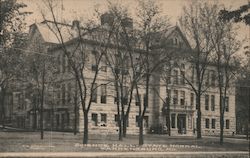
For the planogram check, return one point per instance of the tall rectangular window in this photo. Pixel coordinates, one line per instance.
(137, 100)
(213, 78)
(145, 121)
(137, 120)
(212, 103)
(145, 100)
(63, 94)
(63, 63)
(103, 93)
(227, 124)
(116, 120)
(206, 102)
(192, 75)
(93, 62)
(94, 93)
(169, 79)
(192, 99)
(125, 95)
(175, 77)
(69, 93)
(207, 123)
(94, 119)
(59, 63)
(104, 65)
(173, 120)
(182, 98)
(226, 104)
(182, 77)
(104, 118)
(207, 79)
(213, 123)
(175, 97)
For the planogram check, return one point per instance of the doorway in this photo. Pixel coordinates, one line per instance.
(181, 123)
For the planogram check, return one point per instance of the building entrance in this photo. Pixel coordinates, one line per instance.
(181, 123)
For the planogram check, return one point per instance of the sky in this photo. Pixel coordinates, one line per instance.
(70, 10)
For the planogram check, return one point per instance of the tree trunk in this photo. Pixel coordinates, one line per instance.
(168, 116)
(125, 125)
(3, 108)
(41, 120)
(86, 130)
(75, 112)
(221, 129)
(120, 126)
(141, 140)
(198, 123)
(35, 119)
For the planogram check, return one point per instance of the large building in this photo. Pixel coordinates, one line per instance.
(62, 114)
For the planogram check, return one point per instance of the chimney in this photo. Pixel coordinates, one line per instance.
(107, 18)
(75, 24)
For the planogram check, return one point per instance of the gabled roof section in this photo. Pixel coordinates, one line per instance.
(177, 31)
(50, 34)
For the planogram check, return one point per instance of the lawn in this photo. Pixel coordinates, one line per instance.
(67, 142)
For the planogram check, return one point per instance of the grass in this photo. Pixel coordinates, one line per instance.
(67, 142)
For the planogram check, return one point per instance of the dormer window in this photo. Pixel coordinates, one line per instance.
(175, 41)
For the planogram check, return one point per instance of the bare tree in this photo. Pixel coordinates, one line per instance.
(40, 69)
(78, 56)
(195, 21)
(223, 37)
(150, 24)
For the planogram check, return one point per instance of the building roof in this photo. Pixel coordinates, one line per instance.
(50, 34)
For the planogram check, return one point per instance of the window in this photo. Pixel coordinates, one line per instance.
(116, 120)
(103, 93)
(168, 96)
(104, 65)
(207, 79)
(57, 119)
(145, 100)
(104, 118)
(227, 124)
(59, 64)
(63, 94)
(94, 55)
(206, 102)
(94, 93)
(212, 103)
(175, 41)
(137, 120)
(145, 121)
(69, 93)
(212, 78)
(207, 123)
(125, 95)
(213, 123)
(169, 79)
(94, 119)
(175, 77)
(226, 104)
(192, 75)
(192, 99)
(67, 118)
(137, 100)
(173, 120)
(175, 97)
(63, 63)
(58, 101)
(182, 77)
(182, 98)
